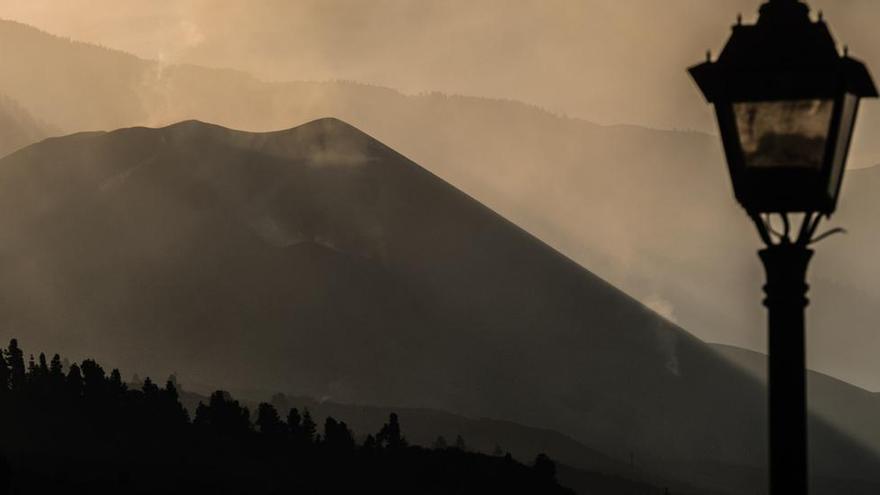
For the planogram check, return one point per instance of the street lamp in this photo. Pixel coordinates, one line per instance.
(786, 102)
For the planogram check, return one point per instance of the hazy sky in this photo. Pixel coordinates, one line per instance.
(610, 61)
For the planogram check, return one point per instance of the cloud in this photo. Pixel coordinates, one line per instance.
(661, 306)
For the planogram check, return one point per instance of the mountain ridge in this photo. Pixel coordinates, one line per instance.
(425, 297)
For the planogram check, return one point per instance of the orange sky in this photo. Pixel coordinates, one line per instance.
(609, 61)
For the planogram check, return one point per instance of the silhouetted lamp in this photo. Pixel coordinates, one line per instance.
(786, 101)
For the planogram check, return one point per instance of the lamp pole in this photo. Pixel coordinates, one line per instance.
(786, 102)
(786, 300)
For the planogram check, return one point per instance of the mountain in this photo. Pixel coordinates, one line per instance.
(577, 57)
(319, 261)
(650, 211)
(17, 127)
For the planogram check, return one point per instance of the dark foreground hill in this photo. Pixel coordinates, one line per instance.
(578, 467)
(80, 430)
(318, 261)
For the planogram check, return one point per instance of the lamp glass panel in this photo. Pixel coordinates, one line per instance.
(847, 122)
(790, 133)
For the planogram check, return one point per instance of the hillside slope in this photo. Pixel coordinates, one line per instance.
(850, 409)
(319, 261)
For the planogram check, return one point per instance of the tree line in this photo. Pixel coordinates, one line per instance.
(78, 428)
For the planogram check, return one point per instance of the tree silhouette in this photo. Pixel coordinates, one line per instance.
(269, 423)
(74, 382)
(459, 443)
(440, 443)
(43, 367)
(93, 379)
(337, 436)
(223, 416)
(370, 443)
(389, 436)
(115, 384)
(545, 467)
(170, 409)
(309, 428)
(295, 428)
(16, 366)
(4, 374)
(175, 382)
(56, 374)
(86, 432)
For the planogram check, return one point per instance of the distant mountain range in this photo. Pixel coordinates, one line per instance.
(650, 211)
(317, 260)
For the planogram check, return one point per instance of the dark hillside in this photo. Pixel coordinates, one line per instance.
(318, 261)
(81, 430)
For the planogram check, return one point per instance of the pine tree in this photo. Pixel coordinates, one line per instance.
(4, 374)
(116, 386)
(370, 443)
(93, 378)
(269, 422)
(172, 411)
(56, 374)
(170, 390)
(459, 443)
(223, 415)
(309, 428)
(545, 467)
(440, 443)
(16, 366)
(389, 436)
(150, 389)
(337, 436)
(294, 426)
(55, 367)
(43, 367)
(39, 375)
(74, 381)
(497, 452)
(174, 381)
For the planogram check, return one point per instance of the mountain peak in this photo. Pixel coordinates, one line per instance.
(324, 125)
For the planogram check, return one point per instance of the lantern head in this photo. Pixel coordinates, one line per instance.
(786, 102)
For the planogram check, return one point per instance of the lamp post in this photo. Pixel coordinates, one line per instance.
(786, 101)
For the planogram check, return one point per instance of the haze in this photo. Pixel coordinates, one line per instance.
(605, 61)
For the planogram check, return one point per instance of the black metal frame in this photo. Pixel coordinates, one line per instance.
(785, 56)
(786, 261)
(770, 189)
